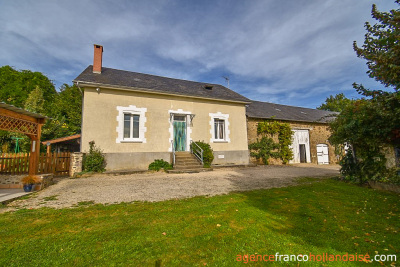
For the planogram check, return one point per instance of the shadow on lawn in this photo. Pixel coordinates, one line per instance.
(328, 214)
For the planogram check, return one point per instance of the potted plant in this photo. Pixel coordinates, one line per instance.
(29, 182)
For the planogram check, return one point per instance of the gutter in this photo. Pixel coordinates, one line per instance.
(150, 91)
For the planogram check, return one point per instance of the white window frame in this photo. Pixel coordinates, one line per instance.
(219, 129)
(131, 110)
(225, 118)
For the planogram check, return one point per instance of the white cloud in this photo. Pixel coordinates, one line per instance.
(282, 49)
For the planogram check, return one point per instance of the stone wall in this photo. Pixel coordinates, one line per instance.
(319, 134)
(392, 161)
(14, 181)
(75, 165)
(11, 181)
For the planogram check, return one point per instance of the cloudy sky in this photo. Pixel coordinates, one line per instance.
(294, 52)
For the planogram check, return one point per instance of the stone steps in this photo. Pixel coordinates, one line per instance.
(185, 162)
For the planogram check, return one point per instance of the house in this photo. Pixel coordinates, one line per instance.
(136, 118)
(310, 127)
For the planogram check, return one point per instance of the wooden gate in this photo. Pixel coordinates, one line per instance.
(18, 163)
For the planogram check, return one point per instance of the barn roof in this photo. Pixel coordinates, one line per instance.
(265, 110)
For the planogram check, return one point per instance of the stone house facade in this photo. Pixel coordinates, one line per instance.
(310, 127)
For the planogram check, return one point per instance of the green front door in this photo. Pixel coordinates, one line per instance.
(180, 135)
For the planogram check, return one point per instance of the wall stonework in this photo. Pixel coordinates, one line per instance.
(11, 181)
(76, 163)
(14, 181)
(319, 134)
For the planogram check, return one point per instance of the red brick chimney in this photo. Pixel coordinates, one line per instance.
(98, 58)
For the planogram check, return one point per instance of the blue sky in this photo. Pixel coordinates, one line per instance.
(294, 52)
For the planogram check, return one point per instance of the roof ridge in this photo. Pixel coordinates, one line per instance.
(164, 77)
(290, 105)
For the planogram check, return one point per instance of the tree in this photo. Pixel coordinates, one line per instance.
(36, 93)
(373, 122)
(335, 103)
(35, 101)
(66, 113)
(68, 106)
(381, 47)
(15, 86)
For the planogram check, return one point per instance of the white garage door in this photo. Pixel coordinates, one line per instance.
(323, 154)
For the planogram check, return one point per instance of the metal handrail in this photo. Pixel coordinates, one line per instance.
(173, 153)
(195, 151)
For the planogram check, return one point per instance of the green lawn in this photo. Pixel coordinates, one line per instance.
(318, 216)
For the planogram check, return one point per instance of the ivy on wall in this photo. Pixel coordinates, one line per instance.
(266, 147)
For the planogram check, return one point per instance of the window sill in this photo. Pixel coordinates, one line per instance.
(220, 141)
(131, 141)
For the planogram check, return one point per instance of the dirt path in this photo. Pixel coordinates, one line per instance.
(162, 186)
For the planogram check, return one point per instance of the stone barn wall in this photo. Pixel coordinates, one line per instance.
(319, 134)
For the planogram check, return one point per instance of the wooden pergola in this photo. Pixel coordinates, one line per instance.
(18, 120)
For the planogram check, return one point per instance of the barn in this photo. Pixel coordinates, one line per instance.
(310, 130)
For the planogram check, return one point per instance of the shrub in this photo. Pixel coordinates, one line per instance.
(267, 148)
(208, 155)
(30, 179)
(94, 161)
(264, 149)
(367, 166)
(159, 164)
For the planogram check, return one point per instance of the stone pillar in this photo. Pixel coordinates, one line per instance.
(75, 165)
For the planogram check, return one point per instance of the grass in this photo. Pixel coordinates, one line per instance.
(50, 198)
(317, 216)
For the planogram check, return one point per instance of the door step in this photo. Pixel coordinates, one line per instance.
(190, 170)
(185, 162)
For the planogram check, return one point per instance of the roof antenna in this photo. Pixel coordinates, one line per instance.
(227, 80)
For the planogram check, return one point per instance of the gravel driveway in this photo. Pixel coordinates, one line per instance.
(162, 186)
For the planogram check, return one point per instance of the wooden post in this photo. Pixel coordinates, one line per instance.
(33, 157)
(35, 151)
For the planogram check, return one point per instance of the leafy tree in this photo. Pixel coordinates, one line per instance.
(381, 47)
(68, 107)
(335, 103)
(36, 93)
(35, 101)
(15, 86)
(65, 114)
(373, 122)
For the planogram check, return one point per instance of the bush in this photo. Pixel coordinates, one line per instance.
(30, 179)
(264, 149)
(208, 155)
(267, 148)
(159, 164)
(94, 161)
(368, 166)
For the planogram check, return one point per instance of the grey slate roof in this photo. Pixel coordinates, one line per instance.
(151, 83)
(265, 110)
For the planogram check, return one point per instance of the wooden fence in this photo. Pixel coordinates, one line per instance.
(18, 163)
